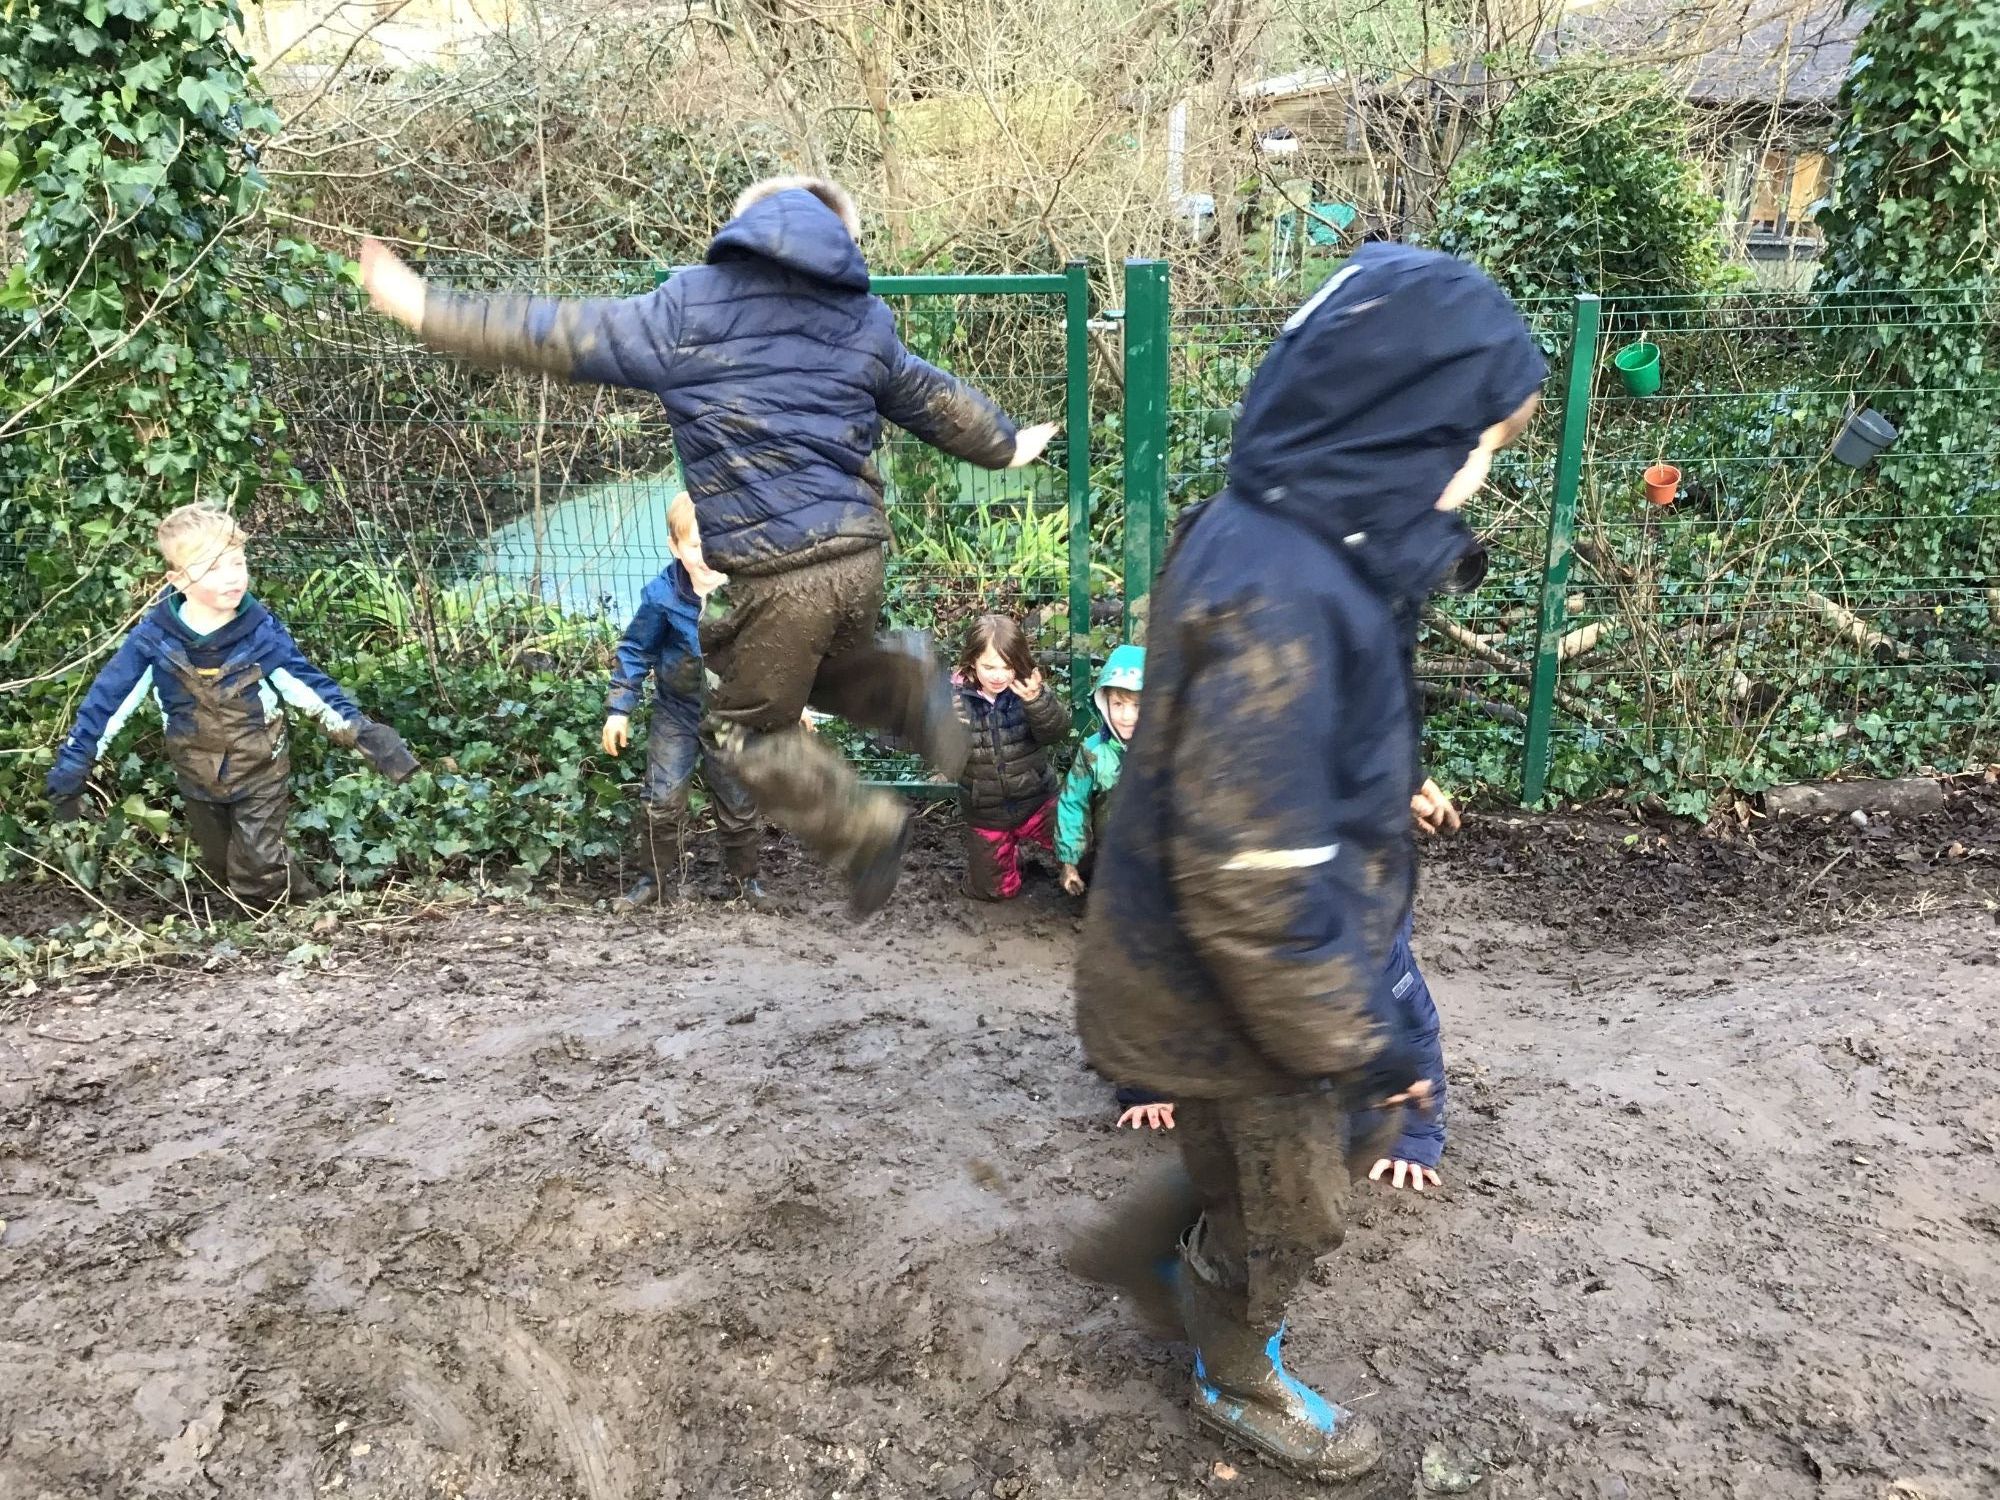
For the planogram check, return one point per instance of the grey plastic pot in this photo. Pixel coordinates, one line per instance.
(1865, 433)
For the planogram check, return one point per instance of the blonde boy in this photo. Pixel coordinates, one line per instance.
(219, 666)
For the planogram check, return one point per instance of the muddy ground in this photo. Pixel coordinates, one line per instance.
(520, 1205)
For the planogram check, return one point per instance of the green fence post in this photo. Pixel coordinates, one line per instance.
(1583, 320)
(1076, 426)
(1146, 327)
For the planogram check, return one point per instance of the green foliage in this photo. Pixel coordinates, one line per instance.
(1918, 159)
(1586, 182)
(1915, 200)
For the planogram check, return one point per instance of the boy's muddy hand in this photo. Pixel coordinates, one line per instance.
(395, 290)
(1029, 443)
(617, 733)
(1420, 1175)
(1072, 880)
(1148, 1116)
(1433, 810)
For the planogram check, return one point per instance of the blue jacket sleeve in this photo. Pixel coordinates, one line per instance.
(623, 341)
(308, 689)
(1269, 850)
(945, 412)
(1414, 1017)
(114, 693)
(638, 648)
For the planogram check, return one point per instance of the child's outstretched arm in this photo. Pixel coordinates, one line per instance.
(321, 699)
(956, 417)
(625, 341)
(114, 694)
(631, 664)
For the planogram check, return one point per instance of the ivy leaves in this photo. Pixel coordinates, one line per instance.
(1586, 183)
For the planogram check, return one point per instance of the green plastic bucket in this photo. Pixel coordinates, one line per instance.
(1638, 365)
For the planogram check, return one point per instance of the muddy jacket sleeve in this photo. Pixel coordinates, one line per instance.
(114, 694)
(638, 648)
(1073, 808)
(1268, 850)
(310, 690)
(1048, 717)
(624, 341)
(945, 412)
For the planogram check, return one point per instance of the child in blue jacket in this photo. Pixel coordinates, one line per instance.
(776, 366)
(663, 641)
(219, 665)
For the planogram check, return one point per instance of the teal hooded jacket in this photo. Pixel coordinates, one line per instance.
(1086, 790)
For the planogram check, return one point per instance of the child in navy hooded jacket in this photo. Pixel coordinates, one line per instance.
(1259, 861)
(663, 641)
(776, 366)
(219, 665)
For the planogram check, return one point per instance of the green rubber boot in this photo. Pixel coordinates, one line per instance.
(1243, 1391)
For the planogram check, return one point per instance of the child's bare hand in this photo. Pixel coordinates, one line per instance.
(1418, 1093)
(1433, 810)
(1420, 1176)
(1029, 443)
(617, 733)
(1029, 688)
(1148, 1117)
(1072, 880)
(806, 721)
(396, 290)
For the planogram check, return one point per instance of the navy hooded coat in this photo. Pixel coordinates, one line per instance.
(1260, 859)
(776, 367)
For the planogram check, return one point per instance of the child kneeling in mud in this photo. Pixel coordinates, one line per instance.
(220, 667)
(1008, 789)
(663, 641)
(1093, 775)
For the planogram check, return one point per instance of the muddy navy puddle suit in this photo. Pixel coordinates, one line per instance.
(1259, 861)
(221, 695)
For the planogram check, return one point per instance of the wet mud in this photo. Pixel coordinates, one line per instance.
(521, 1205)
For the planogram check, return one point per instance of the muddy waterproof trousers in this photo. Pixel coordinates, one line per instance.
(807, 636)
(242, 842)
(1270, 1175)
(673, 752)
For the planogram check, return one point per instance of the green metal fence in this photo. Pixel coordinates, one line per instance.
(1787, 617)
(450, 492)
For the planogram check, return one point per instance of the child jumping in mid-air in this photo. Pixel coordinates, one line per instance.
(219, 665)
(1086, 790)
(663, 641)
(776, 367)
(1007, 793)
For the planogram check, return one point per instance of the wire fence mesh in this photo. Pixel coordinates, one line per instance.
(1786, 617)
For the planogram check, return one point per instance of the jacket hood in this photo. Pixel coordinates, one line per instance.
(250, 617)
(796, 231)
(1373, 397)
(1125, 668)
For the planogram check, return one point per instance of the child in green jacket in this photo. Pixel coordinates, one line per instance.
(1086, 790)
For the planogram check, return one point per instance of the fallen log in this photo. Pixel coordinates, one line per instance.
(1905, 797)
